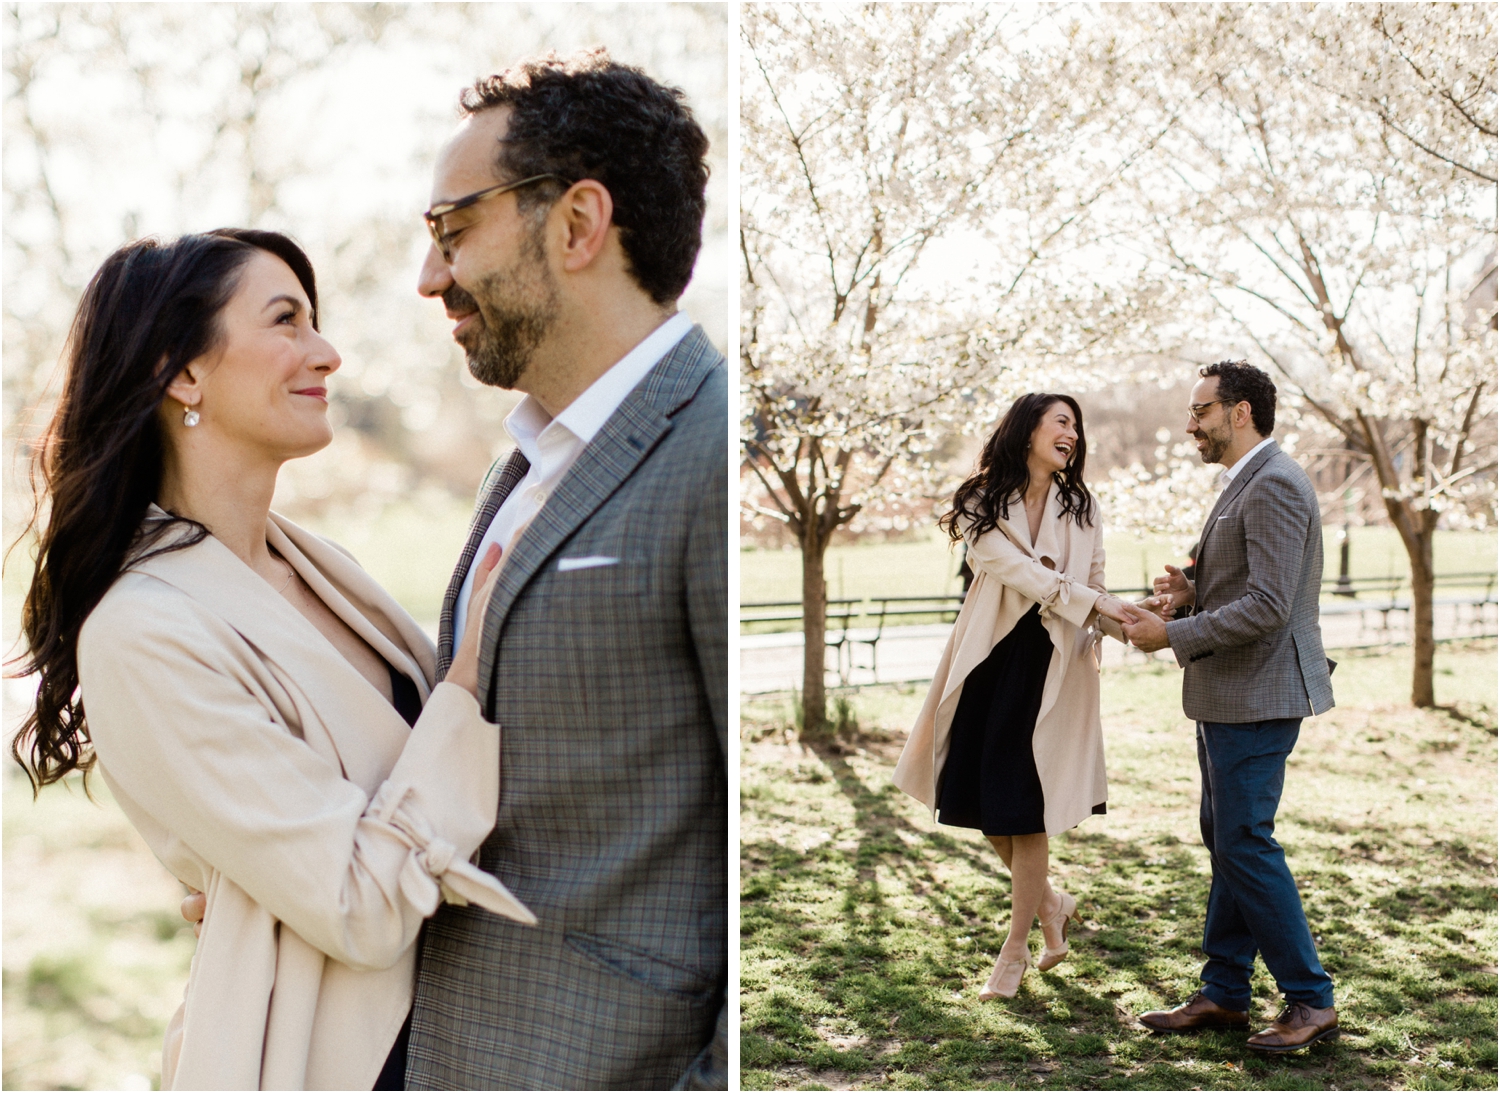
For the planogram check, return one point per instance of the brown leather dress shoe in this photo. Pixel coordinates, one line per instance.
(1196, 1013)
(1296, 1027)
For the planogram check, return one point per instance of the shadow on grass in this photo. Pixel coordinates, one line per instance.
(877, 991)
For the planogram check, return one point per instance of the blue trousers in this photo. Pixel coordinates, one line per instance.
(1253, 904)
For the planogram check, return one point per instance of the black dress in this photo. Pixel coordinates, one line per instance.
(408, 702)
(989, 780)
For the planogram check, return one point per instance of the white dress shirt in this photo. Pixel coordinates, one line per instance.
(552, 445)
(1228, 476)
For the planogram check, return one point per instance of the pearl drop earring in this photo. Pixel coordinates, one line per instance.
(190, 416)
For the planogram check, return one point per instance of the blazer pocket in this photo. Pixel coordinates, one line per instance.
(591, 561)
(598, 575)
(642, 968)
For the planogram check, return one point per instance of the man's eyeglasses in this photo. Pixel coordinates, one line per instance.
(1196, 410)
(436, 217)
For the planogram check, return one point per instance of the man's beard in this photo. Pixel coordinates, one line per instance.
(517, 308)
(1218, 443)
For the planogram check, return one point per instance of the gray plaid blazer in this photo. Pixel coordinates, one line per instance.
(610, 686)
(1252, 649)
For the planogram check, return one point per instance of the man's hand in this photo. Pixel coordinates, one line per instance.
(1173, 591)
(194, 906)
(1145, 630)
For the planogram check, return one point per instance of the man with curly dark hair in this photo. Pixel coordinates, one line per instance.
(1253, 668)
(567, 215)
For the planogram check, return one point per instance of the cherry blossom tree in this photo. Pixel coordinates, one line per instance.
(1331, 192)
(913, 178)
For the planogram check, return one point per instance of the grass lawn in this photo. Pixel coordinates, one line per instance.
(926, 566)
(867, 930)
(95, 953)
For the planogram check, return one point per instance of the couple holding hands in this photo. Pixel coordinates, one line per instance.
(1009, 739)
(498, 862)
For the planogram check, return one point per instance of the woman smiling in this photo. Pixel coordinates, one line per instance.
(265, 714)
(1009, 739)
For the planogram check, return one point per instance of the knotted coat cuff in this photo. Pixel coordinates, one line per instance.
(433, 869)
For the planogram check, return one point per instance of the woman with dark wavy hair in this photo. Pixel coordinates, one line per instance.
(1009, 739)
(264, 713)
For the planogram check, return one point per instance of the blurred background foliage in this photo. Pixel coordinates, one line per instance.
(320, 120)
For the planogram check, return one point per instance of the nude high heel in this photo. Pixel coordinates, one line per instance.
(1067, 909)
(1005, 980)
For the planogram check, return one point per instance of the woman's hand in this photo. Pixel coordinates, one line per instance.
(194, 906)
(1112, 607)
(465, 668)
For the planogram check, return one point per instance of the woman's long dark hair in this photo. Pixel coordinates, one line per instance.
(1001, 480)
(150, 310)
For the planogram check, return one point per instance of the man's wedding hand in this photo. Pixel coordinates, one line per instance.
(464, 670)
(1146, 630)
(194, 907)
(1153, 604)
(1174, 591)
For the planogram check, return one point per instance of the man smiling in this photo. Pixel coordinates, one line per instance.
(566, 217)
(1253, 668)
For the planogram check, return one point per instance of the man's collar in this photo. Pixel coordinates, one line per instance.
(586, 414)
(1228, 476)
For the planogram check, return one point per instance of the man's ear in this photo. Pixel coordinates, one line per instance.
(587, 212)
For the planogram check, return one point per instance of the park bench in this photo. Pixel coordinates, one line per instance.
(1479, 591)
(881, 614)
(941, 609)
(839, 615)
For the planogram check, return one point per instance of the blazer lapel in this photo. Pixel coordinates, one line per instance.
(502, 478)
(1230, 492)
(624, 442)
(356, 727)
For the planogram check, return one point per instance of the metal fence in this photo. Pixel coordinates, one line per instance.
(1355, 612)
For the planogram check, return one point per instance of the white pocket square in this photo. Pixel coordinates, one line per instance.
(1224, 517)
(593, 561)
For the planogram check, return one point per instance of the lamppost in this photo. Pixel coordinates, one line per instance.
(1345, 587)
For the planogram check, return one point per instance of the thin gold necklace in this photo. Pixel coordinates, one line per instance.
(289, 572)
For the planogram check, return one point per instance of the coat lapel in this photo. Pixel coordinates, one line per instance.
(358, 600)
(624, 442)
(492, 494)
(1051, 536)
(355, 727)
(1014, 525)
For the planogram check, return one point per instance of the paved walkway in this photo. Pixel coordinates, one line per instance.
(773, 662)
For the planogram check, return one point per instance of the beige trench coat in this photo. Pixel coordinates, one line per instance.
(265, 771)
(1064, 572)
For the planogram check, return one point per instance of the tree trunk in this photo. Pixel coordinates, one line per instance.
(814, 630)
(1422, 642)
